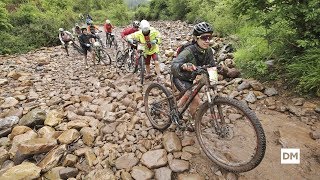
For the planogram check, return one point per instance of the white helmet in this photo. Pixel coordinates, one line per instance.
(144, 25)
(61, 29)
(108, 21)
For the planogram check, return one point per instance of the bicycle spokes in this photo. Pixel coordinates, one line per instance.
(229, 134)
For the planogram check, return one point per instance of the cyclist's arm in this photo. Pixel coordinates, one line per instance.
(60, 38)
(70, 34)
(184, 57)
(158, 37)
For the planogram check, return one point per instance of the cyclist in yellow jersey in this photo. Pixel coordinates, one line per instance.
(150, 37)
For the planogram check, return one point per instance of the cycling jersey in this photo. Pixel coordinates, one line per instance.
(65, 36)
(85, 39)
(191, 54)
(108, 28)
(92, 29)
(154, 34)
(128, 31)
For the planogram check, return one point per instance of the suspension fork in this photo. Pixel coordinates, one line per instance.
(213, 114)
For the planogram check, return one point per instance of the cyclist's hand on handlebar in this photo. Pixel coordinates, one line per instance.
(130, 41)
(154, 41)
(188, 67)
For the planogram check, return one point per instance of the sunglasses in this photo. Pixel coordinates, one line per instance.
(205, 37)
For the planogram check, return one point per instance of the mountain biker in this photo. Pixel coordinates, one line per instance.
(151, 38)
(77, 30)
(86, 39)
(92, 28)
(130, 30)
(65, 37)
(197, 54)
(108, 28)
(88, 19)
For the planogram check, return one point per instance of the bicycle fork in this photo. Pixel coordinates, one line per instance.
(213, 114)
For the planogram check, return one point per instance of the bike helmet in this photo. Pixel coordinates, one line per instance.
(83, 28)
(61, 29)
(145, 27)
(202, 28)
(108, 21)
(136, 24)
(76, 25)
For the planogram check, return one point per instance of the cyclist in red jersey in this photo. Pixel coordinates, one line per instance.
(130, 30)
(108, 28)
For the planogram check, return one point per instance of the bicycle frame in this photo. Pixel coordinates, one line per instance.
(204, 81)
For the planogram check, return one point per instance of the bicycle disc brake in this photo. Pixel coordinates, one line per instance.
(226, 132)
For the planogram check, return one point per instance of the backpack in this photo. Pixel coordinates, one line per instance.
(181, 48)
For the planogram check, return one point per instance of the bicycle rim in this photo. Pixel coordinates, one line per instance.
(240, 146)
(129, 63)
(119, 59)
(157, 106)
(105, 57)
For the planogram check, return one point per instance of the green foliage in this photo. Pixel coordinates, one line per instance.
(4, 18)
(305, 71)
(252, 52)
(29, 24)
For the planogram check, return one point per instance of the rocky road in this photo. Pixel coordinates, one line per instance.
(61, 121)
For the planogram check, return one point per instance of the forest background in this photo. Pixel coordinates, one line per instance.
(283, 32)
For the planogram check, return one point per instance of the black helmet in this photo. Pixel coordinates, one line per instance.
(202, 28)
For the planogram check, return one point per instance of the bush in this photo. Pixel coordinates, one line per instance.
(305, 71)
(252, 51)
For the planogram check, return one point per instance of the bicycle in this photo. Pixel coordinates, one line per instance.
(139, 61)
(110, 40)
(229, 132)
(126, 58)
(76, 47)
(101, 54)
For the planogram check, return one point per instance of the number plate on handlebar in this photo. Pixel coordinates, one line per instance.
(141, 47)
(213, 74)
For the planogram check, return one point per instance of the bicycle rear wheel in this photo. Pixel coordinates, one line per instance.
(105, 57)
(157, 106)
(241, 144)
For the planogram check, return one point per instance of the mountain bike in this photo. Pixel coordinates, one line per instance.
(110, 40)
(101, 54)
(139, 61)
(228, 131)
(126, 58)
(76, 47)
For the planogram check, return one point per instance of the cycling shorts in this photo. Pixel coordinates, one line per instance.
(153, 56)
(181, 85)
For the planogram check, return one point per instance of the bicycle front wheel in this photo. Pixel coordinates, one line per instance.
(157, 106)
(141, 64)
(105, 57)
(239, 144)
(129, 63)
(119, 59)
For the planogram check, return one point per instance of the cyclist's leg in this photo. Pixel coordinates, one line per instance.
(85, 53)
(66, 47)
(93, 55)
(182, 85)
(147, 60)
(155, 57)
